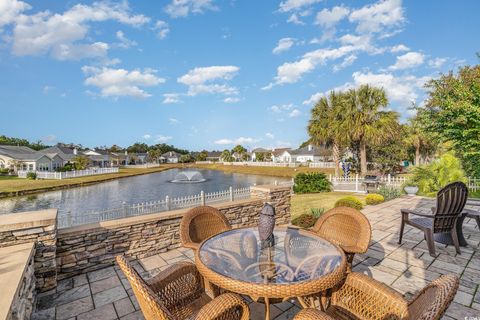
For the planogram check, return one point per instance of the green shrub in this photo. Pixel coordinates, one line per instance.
(311, 182)
(432, 177)
(305, 220)
(31, 175)
(4, 170)
(389, 192)
(374, 198)
(317, 212)
(349, 201)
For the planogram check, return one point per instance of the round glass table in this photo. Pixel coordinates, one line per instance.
(298, 263)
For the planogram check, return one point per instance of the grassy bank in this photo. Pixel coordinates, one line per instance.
(302, 203)
(266, 171)
(12, 186)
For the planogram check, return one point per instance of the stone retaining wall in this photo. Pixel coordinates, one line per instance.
(39, 227)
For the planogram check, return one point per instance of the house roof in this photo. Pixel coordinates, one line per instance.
(16, 149)
(260, 150)
(278, 151)
(20, 153)
(214, 154)
(63, 152)
(171, 154)
(312, 151)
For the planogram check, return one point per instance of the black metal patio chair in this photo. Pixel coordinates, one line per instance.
(450, 204)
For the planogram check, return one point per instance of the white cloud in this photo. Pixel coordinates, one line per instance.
(49, 138)
(290, 5)
(161, 138)
(60, 35)
(313, 98)
(270, 135)
(121, 82)
(437, 62)
(231, 100)
(399, 48)
(182, 8)
(379, 17)
(240, 140)
(283, 45)
(10, 11)
(201, 80)
(146, 136)
(294, 113)
(162, 29)
(172, 120)
(124, 41)
(329, 18)
(294, 18)
(408, 60)
(47, 89)
(348, 61)
(171, 98)
(282, 107)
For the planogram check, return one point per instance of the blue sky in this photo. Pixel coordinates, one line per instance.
(210, 74)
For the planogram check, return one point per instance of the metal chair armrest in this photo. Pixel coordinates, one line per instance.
(225, 306)
(406, 212)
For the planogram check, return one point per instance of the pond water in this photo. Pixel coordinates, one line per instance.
(131, 190)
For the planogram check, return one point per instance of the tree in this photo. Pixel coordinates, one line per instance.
(80, 162)
(389, 153)
(153, 155)
(184, 158)
(327, 122)
(418, 139)
(202, 155)
(240, 151)
(138, 147)
(115, 148)
(260, 156)
(226, 156)
(452, 113)
(366, 122)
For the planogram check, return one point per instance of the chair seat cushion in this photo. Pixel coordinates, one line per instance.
(423, 222)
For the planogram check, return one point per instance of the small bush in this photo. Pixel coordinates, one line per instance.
(389, 192)
(349, 201)
(4, 170)
(31, 175)
(311, 182)
(317, 212)
(305, 220)
(374, 198)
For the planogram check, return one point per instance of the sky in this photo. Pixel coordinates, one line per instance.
(210, 74)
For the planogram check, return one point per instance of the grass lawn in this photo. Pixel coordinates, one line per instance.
(10, 186)
(266, 171)
(302, 203)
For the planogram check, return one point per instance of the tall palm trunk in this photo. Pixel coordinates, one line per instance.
(336, 159)
(417, 155)
(363, 157)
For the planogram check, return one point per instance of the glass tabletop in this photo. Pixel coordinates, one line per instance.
(295, 256)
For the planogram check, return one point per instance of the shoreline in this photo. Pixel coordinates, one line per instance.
(82, 181)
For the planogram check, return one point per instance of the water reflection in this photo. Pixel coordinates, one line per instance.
(130, 190)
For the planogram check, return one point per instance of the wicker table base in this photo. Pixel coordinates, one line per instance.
(446, 238)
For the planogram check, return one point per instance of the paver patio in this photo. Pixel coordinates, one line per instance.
(105, 294)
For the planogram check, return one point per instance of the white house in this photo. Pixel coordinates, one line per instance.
(281, 155)
(24, 158)
(309, 153)
(170, 157)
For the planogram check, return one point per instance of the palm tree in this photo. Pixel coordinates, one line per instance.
(420, 140)
(366, 122)
(326, 124)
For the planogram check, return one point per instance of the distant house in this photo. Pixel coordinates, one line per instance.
(119, 158)
(213, 156)
(170, 157)
(24, 158)
(281, 155)
(99, 158)
(309, 153)
(256, 151)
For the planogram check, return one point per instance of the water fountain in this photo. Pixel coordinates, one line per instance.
(189, 177)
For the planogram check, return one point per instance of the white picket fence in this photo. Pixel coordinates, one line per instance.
(262, 164)
(145, 165)
(321, 165)
(473, 184)
(67, 174)
(153, 207)
(356, 183)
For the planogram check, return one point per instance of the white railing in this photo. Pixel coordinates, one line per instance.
(262, 164)
(473, 184)
(67, 174)
(321, 165)
(145, 165)
(153, 207)
(355, 183)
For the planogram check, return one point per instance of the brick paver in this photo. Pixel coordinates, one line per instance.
(106, 294)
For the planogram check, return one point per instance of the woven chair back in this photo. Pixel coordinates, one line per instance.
(346, 227)
(201, 223)
(434, 299)
(152, 308)
(450, 203)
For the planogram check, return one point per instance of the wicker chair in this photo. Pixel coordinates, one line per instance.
(346, 227)
(200, 223)
(177, 293)
(450, 203)
(362, 297)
